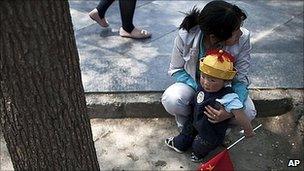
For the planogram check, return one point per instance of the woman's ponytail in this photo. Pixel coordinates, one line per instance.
(190, 20)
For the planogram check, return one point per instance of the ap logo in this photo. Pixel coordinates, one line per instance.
(293, 163)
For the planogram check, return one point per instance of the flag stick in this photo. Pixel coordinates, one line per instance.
(242, 137)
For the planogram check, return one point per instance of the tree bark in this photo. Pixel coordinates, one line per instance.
(42, 102)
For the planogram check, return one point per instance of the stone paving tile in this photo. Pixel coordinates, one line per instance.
(119, 64)
(283, 70)
(138, 144)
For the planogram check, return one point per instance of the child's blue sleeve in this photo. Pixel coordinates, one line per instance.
(230, 101)
(241, 90)
(183, 77)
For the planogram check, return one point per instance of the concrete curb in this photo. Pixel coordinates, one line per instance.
(269, 102)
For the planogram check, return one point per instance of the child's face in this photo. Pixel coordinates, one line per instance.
(234, 39)
(211, 84)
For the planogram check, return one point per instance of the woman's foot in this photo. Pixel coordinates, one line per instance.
(135, 34)
(101, 21)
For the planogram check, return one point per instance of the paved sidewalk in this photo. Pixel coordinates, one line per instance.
(112, 66)
(138, 144)
(110, 63)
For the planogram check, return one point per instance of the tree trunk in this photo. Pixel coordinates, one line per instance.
(43, 110)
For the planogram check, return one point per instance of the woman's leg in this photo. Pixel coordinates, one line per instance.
(103, 6)
(250, 110)
(127, 9)
(177, 101)
(98, 14)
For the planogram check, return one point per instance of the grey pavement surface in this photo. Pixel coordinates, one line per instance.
(110, 63)
(138, 144)
(113, 64)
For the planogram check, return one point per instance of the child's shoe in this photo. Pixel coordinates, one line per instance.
(170, 143)
(179, 143)
(201, 148)
(196, 159)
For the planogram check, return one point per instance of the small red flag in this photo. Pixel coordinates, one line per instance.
(220, 162)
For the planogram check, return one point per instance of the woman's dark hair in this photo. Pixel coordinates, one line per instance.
(190, 20)
(217, 17)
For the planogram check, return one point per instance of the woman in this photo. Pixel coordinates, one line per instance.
(217, 25)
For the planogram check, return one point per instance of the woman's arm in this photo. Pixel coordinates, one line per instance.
(241, 82)
(177, 62)
(241, 89)
(176, 69)
(183, 77)
(243, 58)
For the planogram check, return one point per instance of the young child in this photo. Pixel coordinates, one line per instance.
(204, 136)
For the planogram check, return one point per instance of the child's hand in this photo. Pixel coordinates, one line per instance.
(249, 133)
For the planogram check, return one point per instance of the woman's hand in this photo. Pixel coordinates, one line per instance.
(216, 116)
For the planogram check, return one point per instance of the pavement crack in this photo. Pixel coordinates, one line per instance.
(102, 135)
(133, 156)
(144, 4)
(162, 35)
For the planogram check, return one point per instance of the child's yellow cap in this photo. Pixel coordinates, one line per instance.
(218, 64)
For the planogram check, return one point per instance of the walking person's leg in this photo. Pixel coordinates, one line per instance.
(103, 6)
(127, 9)
(98, 14)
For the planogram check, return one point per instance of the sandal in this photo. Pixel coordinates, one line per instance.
(135, 34)
(170, 143)
(101, 21)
